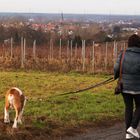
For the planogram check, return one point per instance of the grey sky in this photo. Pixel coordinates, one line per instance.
(72, 6)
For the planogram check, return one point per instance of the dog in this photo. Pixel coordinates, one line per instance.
(14, 99)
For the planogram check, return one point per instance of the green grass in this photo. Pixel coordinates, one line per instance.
(89, 106)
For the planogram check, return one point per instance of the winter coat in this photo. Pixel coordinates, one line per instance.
(130, 70)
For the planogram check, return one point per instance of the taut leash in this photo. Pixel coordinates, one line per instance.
(90, 87)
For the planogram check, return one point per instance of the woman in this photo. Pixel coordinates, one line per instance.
(131, 84)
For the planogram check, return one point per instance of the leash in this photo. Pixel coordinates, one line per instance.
(90, 87)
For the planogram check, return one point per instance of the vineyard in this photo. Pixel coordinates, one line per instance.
(98, 58)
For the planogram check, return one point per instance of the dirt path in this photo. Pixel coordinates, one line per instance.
(115, 132)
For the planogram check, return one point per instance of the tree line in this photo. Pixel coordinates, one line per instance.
(43, 38)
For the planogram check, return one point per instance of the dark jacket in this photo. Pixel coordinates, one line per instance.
(130, 69)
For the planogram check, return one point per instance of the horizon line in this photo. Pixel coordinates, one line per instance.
(109, 14)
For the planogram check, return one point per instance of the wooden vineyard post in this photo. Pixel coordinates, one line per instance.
(83, 55)
(71, 50)
(11, 47)
(121, 45)
(106, 55)
(68, 49)
(76, 51)
(24, 50)
(22, 61)
(114, 53)
(124, 46)
(34, 49)
(93, 57)
(60, 48)
(50, 53)
(52, 49)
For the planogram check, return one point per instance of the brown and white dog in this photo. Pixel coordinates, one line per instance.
(14, 98)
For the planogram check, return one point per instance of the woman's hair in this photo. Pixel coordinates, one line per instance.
(134, 41)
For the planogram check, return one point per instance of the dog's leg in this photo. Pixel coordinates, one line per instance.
(21, 112)
(6, 113)
(20, 118)
(16, 117)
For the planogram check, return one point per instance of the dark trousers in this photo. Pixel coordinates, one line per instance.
(132, 116)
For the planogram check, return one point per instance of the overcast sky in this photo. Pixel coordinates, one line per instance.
(72, 6)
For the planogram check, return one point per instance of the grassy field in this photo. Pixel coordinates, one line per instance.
(91, 106)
